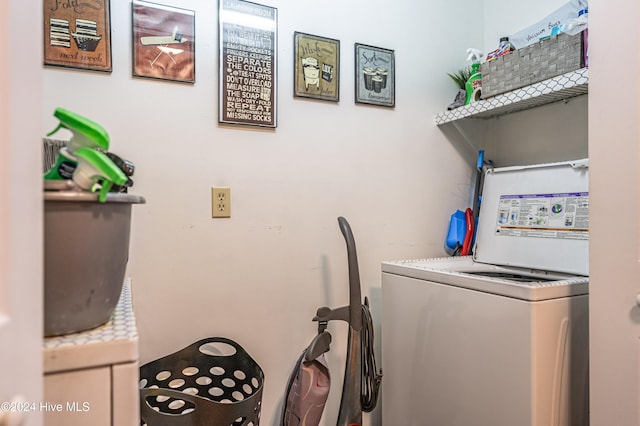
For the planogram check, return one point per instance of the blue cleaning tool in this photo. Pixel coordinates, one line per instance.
(456, 233)
(477, 195)
(458, 222)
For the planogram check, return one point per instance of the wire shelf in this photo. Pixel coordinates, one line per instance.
(560, 88)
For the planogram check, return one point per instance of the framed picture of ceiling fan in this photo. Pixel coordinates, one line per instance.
(163, 42)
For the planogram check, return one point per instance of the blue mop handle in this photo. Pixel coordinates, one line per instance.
(476, 195)
(480, 163)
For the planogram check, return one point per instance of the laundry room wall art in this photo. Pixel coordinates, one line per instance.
(375, 75)
(248, 36)
(316, 67)
(163, 42)
(77, 34)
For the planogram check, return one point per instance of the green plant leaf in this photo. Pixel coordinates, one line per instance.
(461, 76)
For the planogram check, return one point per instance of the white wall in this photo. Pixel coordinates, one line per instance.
(520, 139)
(21, 203)
(614, 138)
(259, 276)
(504, 17)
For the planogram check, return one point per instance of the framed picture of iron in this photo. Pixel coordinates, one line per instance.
(77, 34)
(248, 63)
(163, 42)
(375, 75)
(316, 72)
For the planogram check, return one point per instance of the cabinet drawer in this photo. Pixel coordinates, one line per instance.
(78, 398)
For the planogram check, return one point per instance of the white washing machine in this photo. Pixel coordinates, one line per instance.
(499, 338)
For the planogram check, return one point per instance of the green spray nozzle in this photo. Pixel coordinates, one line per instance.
(94, 166)
(86, 133)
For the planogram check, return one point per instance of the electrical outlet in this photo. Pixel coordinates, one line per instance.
(220, 202)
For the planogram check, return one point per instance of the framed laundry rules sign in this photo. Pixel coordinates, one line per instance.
(163, 42)
(248, 63)
(77, 34)
(316, 71)
(375, 76)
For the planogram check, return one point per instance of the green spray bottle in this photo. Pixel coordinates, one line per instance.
(96, 172)
(473, 85)
(86, 133)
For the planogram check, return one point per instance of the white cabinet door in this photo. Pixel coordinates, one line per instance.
(78, 398)
(126, 394)
(614, 172)
(20, 213)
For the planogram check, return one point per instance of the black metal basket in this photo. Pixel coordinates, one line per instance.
(213, 382)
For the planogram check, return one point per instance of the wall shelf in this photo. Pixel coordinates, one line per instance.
(559, 88)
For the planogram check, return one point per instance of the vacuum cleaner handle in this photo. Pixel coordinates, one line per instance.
(355, 310)
(350, 413)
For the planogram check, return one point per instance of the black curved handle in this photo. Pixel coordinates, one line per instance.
(355, 309)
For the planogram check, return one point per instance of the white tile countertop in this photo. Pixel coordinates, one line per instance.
(114, 342)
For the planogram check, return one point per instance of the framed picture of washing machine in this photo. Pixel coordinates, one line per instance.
(316, 73)
(76, 36)
(375, 76)
(163, 42)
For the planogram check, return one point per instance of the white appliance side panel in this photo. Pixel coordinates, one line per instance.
(561, 365)
(453, 356)
(545, 228)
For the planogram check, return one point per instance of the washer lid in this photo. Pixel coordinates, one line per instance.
(536, 217)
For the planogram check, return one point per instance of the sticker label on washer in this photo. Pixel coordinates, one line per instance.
(560, 216)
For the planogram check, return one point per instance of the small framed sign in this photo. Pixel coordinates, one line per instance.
(248, 63)
(77, 34)
(316, 72)
(375, 75)
(163, 42)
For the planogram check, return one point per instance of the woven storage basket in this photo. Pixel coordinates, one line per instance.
(50, 149)
(537, 62)
(212, 382)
